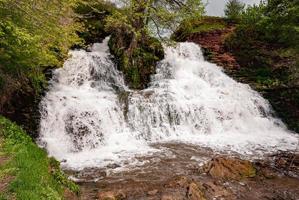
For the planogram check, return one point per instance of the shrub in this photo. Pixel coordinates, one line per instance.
(233, 10)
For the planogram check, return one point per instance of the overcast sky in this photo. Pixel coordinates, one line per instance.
(216, 7)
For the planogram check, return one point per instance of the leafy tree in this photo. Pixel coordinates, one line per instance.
(282, 21)
(233, 10)
(35, 33)
(143, 16)
(134, 26)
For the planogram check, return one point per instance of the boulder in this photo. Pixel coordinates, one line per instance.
(195, 192)
(229, 168)
(112, 195)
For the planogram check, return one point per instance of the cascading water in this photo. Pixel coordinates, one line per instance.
(91, 119)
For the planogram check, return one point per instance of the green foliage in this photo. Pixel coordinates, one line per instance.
(233, 10)
(33, 175)
(265, 32)
(92, 14)
(43, 30)
(134, 27)
(152, 16)
(282, 18)
(273, 21)
(35, 34)
(140, 64)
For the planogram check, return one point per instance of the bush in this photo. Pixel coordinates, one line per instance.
(274, 21)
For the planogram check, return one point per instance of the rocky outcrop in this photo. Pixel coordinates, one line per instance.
(212, 43)
(229, 168)
(138, 63)
(195, 192)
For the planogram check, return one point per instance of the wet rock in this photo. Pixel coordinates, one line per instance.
(229, 168)
(287, 162)
(216, 190)
(152, 192)
(111, 195)
(179, 181)
(113, 166)
(278, 164)
(195, 192)
(67, 194)
(107, 196)
(267, 173)
(172, 196)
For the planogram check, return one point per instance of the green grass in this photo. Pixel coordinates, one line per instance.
(204, 24)
(35, 176)
(207, 27)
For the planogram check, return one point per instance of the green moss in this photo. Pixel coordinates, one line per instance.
(34, 175)
(139, 63)
(38, 82)
(193, 26)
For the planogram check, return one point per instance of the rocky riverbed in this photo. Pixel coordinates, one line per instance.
(189, 172)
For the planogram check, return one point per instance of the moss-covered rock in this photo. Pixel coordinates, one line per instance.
(139, 63)
(195, 26)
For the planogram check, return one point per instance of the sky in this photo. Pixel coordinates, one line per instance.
(216, 7)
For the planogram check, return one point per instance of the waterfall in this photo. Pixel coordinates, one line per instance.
(91, 119)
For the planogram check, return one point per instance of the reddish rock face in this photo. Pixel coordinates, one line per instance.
(212, 43)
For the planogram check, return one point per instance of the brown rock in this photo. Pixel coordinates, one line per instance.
(179, 181)
(173, 196)
(268, 173)
(195, 192)
(107, 196)
(110, 195)
(229, 168)
(152, 192)
(217, 191)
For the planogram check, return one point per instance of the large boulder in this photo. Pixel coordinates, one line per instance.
(229, 168)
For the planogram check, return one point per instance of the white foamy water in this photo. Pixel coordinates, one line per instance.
(91, 119)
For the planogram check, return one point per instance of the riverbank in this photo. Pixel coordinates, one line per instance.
(26, 172)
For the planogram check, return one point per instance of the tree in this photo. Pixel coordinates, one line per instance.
(35, 33)
(133, 28)
(154, 15)
(233, 10)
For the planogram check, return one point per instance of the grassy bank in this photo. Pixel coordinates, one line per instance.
(25, 170)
